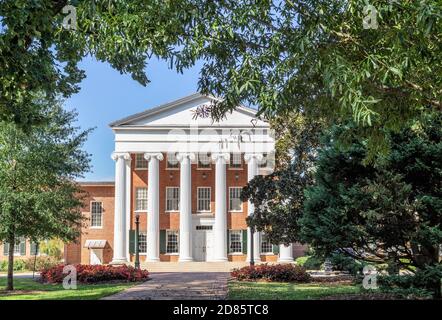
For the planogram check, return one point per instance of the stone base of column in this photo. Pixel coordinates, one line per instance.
(119, 262)
(153, 260)
(222, 259)
(185, 259)
(286, 260)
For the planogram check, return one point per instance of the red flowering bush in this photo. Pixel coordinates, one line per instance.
(274, 273)
(95, 273)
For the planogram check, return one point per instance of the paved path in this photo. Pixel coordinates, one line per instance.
(178, 286)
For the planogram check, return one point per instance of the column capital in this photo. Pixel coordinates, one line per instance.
(153, 155)
(182, 155)
(250, 156)
(123, 155)
(224, 155)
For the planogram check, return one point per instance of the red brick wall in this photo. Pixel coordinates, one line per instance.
(76, 253)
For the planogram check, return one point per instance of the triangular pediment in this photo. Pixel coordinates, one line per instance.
(180, 113)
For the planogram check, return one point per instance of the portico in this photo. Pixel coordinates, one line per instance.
(195, 171)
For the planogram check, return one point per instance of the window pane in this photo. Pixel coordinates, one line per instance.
(96, 214)
(204, 160)
(172, 161)
(203, 199)
(235, 241)
(235, 203)
(235, 160)
(140, 162)
(142, 241)
(172, 241)
(141, 199)
(266, 246)
(172, 198)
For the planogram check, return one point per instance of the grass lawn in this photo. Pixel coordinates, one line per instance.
(239, 290)
(29, 289)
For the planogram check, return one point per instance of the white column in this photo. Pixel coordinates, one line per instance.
(285, 253)
(185, 206)
(153, 206)
(120, 250)
(220, 227)
(252, 160)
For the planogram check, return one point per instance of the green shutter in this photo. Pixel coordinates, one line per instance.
(34, 249)
(162, 241)
(131, 241)
(244, 241)
(22, 247)
(275, 249)
(5, 248)
(228, 241)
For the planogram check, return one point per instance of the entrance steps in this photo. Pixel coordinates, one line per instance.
(191, 266)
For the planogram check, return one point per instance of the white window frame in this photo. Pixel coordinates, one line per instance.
(17, 246)
(231, 232)
(136, 200)
(137, 160)
(177, 242)
(198, 200)
(91, 204)
(144, 234)
(167, 162)
(264, 240)
(178, 199)
(231, 158)
(230, 200)
(198, 162)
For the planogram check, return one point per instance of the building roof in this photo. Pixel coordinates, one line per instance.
(96, 183)
(169, 105)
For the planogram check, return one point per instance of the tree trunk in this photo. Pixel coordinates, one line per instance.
(10, 284)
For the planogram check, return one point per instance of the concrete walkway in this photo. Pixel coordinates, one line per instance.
(178, 286)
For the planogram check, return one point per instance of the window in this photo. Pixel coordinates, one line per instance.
(266, 246)
(96, 214)
(235, 241)
(263, 162)
(204, 227)
(203, 199)
(235, 203)
(171, 241)
(141, 199)
(20, 245)
(142, 242)
(172, 161)
(140, 162)
(204, 161)
(235, 161)
(172, 198)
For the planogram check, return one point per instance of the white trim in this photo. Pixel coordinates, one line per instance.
(165, 198)
(242, 202)
(90, 215)
(241, 241)
(197, 199)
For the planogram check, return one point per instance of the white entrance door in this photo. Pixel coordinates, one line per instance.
(96, 256)
(203, 244)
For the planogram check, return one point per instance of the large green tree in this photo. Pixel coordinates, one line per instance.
(317, 56)
(39, 54)
(39, 198)
(297, 55)
(390, 212)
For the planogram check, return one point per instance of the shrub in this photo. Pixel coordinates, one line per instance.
(310, 262)
(342, 262)
(42, 262)
(274, 273)
(19, 265)
(95, 273)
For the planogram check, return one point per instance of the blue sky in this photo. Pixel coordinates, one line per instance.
(106, 96)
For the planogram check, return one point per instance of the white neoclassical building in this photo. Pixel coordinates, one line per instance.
(182, 176)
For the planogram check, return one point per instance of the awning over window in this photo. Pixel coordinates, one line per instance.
(95, 244)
